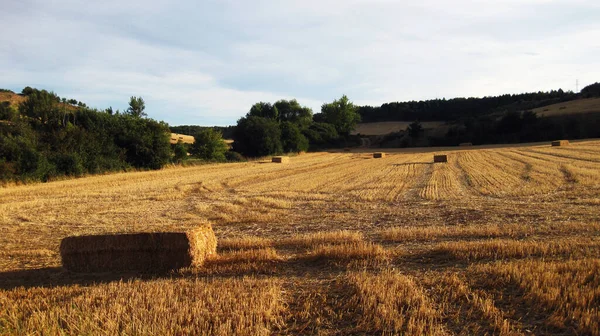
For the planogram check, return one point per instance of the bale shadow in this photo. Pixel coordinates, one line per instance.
(50, 277)
(58, 276)
(411, 163)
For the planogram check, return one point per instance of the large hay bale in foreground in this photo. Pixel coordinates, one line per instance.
(280, 159)
(558, 143)
(145, 252)
(440, 158)
(378, 155)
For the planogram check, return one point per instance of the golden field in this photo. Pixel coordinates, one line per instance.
(496, 241)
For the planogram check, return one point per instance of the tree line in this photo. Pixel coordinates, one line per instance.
(47, 136)
(462, 108)
(43, 138)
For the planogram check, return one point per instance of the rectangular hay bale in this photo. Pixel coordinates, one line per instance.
(558, 143)
(440, 158)
(378, 155)
(280, 159)
(144, 252)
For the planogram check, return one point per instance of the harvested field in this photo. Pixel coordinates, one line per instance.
(502, 240)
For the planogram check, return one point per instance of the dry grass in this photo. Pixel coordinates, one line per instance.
(498, 240)
(12, 98)
(393, 304)
(565, 292)
(161, 307)
(496, 249)
(348, 252)
(338, 237)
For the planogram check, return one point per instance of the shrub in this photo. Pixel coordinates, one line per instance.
(209, 145)
(257, 136)
(292, 139)
(234, 156)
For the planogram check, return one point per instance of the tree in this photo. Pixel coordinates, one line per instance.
(292, 111)
(27, 91)
(342, 114)
(209, 145)
(256, 136)
(264, 110)
(592, 90)
(292, 140)
(136, 107)
(414, 129)
(180, 152)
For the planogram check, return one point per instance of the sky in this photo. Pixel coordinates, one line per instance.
(206, 62)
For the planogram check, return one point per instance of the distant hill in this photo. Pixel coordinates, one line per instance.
(589, 105)
(13, 98)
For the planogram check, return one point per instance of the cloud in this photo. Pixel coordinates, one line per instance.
(208, 62)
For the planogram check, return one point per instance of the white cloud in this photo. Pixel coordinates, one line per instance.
(208, 62)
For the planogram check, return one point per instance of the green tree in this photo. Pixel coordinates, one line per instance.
(136, 107)
(180, 152)
(264, 110)
(146, 142)
(43, 109)
(292, 111)
(292, 140)
(256, 136)
(592, 90)
(7, 112)
(342, 114)
(209, 145)
(415, 129)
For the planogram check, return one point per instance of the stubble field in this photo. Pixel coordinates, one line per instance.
(496, 241)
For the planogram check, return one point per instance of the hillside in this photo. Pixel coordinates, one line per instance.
(13, 98)
(588, 105)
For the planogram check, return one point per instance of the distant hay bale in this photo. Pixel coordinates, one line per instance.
(440, 158)
(465, 144)
(378, 155)
(346, 149)
(558, 143)
(144, 252)
(187, 139)
(280, 159)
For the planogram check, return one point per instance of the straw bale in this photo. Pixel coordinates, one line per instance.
(558, 143)
(280, 159)
(145, 252)
(378, 155)
(440, 158)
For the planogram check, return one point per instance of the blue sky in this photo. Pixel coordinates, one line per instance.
(206, 62)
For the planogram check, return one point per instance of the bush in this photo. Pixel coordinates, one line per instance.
(67, 164)
(180, 152)
(209, 145)
(232, 156)
(292, 139)
(321, 135)
(257, 136)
